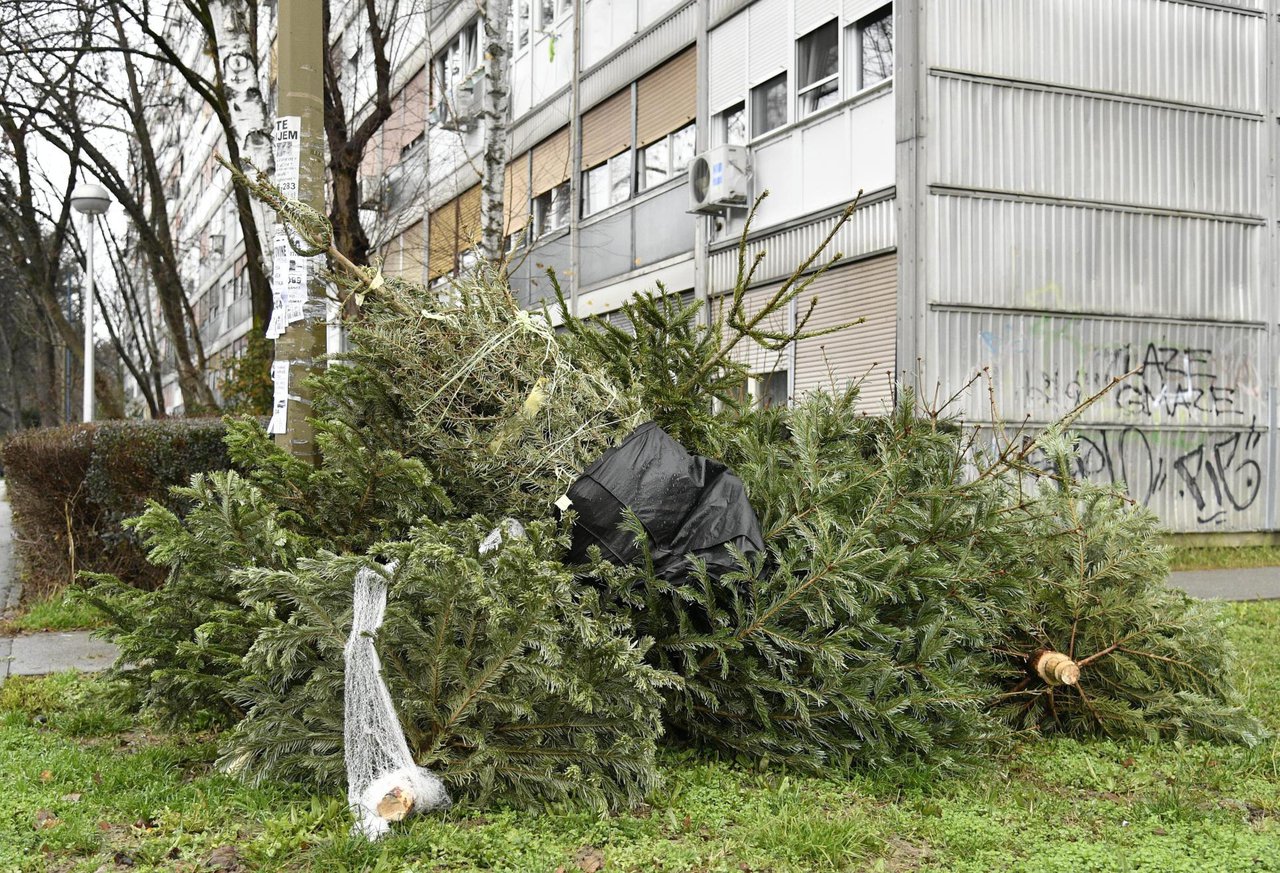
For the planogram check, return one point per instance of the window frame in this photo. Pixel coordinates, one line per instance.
(859, 27)
(809, 97)
(755, 116)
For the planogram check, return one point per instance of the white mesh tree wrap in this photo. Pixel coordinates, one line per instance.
(383, 782)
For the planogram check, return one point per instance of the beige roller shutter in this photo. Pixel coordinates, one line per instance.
(551, 159)
(868, 289)
(404, 255)
(757, 358)
(444, 239)
(469, 218)
(666, 99)
(515, 193)
(606, 129)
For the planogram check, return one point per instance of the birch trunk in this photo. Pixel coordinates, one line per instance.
(496, 21)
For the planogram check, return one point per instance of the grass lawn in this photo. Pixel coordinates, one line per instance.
(1223, 558)
(82, 787)
(53, 613)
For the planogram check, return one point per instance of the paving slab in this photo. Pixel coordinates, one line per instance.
(55, 652)
(1245, 583)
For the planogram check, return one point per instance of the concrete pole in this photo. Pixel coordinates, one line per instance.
(88, 327)
(300, 94)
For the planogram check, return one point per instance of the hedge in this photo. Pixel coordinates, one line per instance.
(72, 487)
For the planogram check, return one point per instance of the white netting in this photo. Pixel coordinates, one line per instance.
(383, 782)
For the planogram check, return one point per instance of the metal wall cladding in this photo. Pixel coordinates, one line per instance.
(1151, 48)
(1026, 140)
(663, 227)
(1185, 375)
(864, 353)
(605, 248)
(529, 279)
(757, 358)
(1199, 481)
(719, 10)
(871, 228)
(661, 42)
(540, 123)
(1021, 254)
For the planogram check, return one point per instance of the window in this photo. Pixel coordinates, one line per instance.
(875, 47)
(455, 63)
(667, 158)
(607, 184)
(733, 125)
(546, 15)
(769, 105)
(770, 389)
(551, 210)
(818, 64)
(521, 21)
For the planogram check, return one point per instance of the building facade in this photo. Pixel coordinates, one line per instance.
(1058, 195)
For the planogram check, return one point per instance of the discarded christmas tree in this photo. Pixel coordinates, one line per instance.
(905, 588)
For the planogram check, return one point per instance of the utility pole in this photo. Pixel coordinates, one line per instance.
(299, 147)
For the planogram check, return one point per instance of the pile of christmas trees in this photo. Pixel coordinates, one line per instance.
(916, 600)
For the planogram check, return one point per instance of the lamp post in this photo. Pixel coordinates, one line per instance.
(92, 200)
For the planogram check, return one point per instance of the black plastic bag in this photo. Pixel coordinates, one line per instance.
(689, 505)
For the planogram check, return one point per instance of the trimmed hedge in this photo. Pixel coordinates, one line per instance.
(72, 488)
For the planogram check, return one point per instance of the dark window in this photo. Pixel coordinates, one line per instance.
(769, 105)
(819, 68)
(875, 39)
(734, 125)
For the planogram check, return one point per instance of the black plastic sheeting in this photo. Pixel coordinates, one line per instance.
(689, 505)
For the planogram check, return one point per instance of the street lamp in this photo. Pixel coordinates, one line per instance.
(92, 200)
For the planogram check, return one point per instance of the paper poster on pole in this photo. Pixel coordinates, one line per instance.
(280, 400)
(280, 258)
(288, 153)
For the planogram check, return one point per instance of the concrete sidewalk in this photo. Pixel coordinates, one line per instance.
(1249, 583)
(39, 654)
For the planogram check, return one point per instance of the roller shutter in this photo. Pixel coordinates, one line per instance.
(469, 219)
(606, 129)
(666, 98)
(515, 193)
(551, 159)
(868, 289)
(405, 254)
(443, 242)
(727, 52)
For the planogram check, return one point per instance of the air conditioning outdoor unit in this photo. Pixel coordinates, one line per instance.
(466, 103)
(719, 179)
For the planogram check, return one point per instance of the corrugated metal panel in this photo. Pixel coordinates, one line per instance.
(865, 352)
(809, 14)
(637, 58)
(871, 228)
(515, 193)
(551, 160)
(1032, 141)
(606, 129)
(1153, 48)
(727, 63)
(1195, 480)
(1189, 374)
(856, 9)
(1008, 253)
(666, 99)
(719, 10)
(769, 39)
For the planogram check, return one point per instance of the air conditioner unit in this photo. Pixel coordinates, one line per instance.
(719, 179)
(465, 104)
(372, 190)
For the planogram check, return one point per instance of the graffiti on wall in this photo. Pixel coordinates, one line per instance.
(1185, 430)
(1208, 477)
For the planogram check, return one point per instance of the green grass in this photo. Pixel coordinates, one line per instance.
(108, 790)
(1223, 557)
(54, 612)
